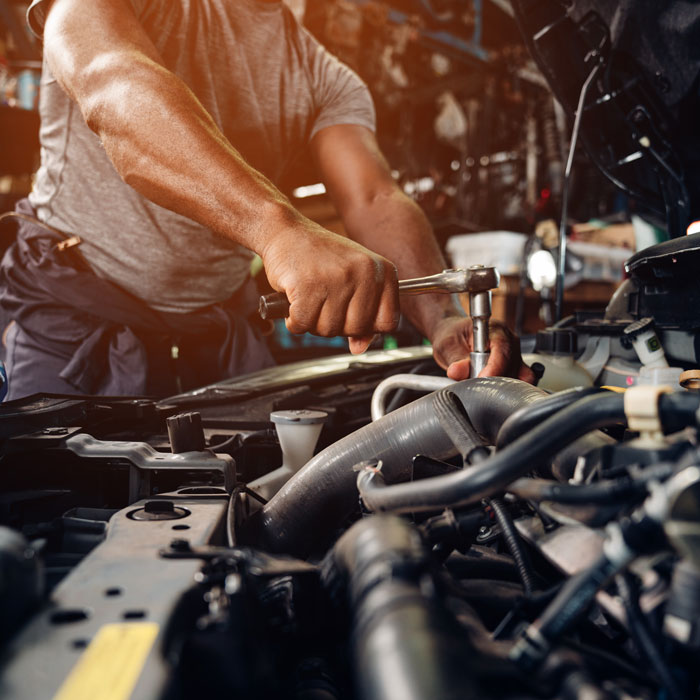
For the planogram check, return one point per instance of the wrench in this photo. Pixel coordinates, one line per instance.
(477, 280)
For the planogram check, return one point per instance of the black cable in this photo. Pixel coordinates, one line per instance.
(644, 640)
(220, 446)
(514, 544)
(565, 192)
(252, 494)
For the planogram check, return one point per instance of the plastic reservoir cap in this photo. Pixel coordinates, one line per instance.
(643, 324)
(299, 417)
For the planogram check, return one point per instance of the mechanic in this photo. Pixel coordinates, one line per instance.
(165, 124)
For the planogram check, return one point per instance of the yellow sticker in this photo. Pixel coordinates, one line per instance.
(109, 668)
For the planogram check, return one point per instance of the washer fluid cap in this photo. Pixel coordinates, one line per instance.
(637, 327)
(299, 417)
(556, 341)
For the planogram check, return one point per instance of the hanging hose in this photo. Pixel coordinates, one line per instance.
(561, 263)
(453, 419)
(514, 544)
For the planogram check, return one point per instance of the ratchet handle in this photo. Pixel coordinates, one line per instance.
(274, 306)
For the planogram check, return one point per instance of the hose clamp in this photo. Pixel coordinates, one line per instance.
(642, 411)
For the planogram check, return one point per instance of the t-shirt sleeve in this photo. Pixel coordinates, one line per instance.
(36, 16)
(340, 95)
(37, 11)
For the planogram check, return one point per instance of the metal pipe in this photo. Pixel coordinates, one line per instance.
(415, 382)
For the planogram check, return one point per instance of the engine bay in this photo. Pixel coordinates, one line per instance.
(363, 528)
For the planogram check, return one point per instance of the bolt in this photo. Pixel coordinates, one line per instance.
(180, 545)
(159, 507)
(55, 431)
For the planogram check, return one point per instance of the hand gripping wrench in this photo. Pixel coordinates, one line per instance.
(477, 281)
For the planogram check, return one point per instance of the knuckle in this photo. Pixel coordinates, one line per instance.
(328, 329)
(385, 325)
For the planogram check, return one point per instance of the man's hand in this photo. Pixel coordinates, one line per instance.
(452, 343)
(334, 285)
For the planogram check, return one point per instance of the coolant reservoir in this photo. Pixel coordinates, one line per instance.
(298, 432)
(555, 350)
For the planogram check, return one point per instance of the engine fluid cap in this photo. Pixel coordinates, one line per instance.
(299, 416)
(159, 510)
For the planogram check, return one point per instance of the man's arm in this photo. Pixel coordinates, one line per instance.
(165, 145)
(377, 214)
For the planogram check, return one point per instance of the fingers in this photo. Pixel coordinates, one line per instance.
(504, 345)
(505, 359)
(345, 290)
(452, 345)
(459, 370)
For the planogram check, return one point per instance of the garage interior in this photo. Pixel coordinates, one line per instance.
(343, 527)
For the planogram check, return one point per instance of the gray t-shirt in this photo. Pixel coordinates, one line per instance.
(268, 84)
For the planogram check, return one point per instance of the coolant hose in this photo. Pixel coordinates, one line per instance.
(405, 646)
(302, 516)
(533, 448)
(528, 417)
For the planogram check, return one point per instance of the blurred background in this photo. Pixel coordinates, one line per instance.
(470, 129)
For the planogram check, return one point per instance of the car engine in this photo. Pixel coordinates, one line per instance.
(364, 528)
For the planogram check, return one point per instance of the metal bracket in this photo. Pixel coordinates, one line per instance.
(145, 458)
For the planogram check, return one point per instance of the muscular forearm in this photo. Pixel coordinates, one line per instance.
(395, 226)
(157, 134)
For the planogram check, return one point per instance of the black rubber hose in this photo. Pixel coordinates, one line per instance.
(304, 515)
(494, 474)
(453, 419)
(677, 410)
(515, 460)
(644, 640)
(598, 493)
(405, 644)
(529, 417)
(562, 467)
(514, 544)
